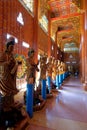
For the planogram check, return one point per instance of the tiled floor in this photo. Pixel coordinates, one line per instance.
(36, 127)
(67, 110)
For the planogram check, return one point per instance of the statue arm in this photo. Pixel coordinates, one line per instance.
(14, 69)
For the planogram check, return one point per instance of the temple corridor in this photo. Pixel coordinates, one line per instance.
(65, 111)
(43, 64)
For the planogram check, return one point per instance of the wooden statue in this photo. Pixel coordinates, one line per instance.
(58, 67)
(61, 67)
(49, 67)
(53, 60)
(54, 70)
(43, 66)
(64, 67)
(8, 70)
(32, 67)
(10, 111)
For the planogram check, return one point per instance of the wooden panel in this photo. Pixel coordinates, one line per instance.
(42, 40)
(8, 23)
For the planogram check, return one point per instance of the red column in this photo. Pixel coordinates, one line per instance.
(85, 45)
(82, 51)
(1, 25)
(35, 40)
(49, 34)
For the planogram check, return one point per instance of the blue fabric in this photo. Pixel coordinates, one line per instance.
(29, 99)
(43, 89)
(49, 83)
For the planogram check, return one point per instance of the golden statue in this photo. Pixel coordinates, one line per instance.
(10, 111)
(64, 67)
(61, 67)
(8, 70)
(58, 67)
(49, 67)
(54, 70)
(32, 67)
(43, 66)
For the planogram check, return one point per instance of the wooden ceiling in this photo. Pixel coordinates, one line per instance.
(66, 30)
(65, 18)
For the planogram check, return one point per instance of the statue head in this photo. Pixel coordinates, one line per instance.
(31, 52)
(50, 59)
(44, 58)
(9, 44)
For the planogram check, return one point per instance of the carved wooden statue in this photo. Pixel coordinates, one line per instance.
(58, 67)
(11, 112)
(43, 66)
(53, 60)
(61, 67)
(8, 70)
(49, 67)
(31, 67)
(64, 66)
(54, 70)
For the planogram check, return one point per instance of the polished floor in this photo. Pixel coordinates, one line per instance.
(67, 110)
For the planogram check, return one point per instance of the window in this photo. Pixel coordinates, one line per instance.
(26, 45)
(29, 4)
(20, 18)
(44, 23)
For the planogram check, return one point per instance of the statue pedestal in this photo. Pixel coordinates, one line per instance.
(49, 83)
(29, 99)
(57, 81)
(44, 89)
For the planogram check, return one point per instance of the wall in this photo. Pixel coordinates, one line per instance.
(9, 10)
(42, 40)
(43, 43)
(1, 24)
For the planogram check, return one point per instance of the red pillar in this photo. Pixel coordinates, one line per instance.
(85, 44)
(1, 24)
(49, 34)
(82, 50)
(35, 28)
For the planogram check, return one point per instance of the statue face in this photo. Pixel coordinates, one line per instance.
(32, 55)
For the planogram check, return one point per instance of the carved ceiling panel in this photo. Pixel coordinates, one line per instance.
(69, 37)
(65, 18)
(43, 7)
(60, 8)
(72, 27)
